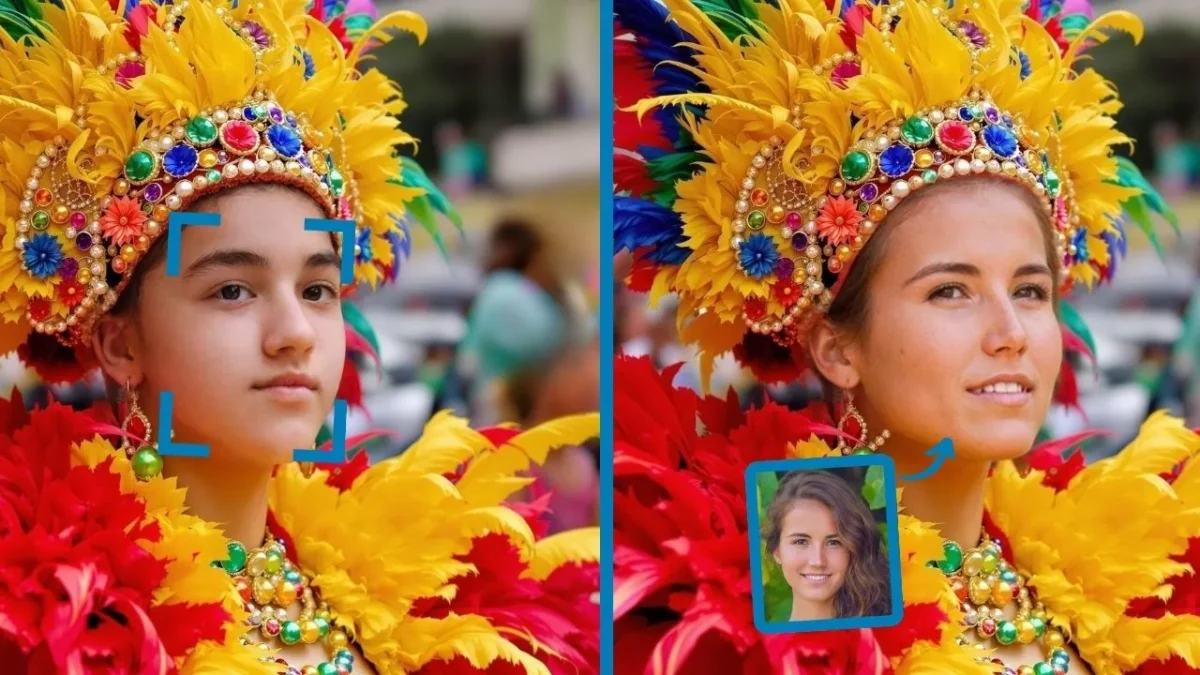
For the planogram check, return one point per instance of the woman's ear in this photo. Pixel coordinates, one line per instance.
(117, 349)
(830, 351)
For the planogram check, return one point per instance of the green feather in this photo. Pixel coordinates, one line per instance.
(667, 171)
(424, 209)
(1139, 212)
(324, 435)
(21, 18)
(736, 18)
(423, 212)
(1129, 175)
(353, 316)
(1074, 322)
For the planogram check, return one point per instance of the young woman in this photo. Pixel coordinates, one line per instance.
(116, 557)
(895, 195)
(821, 534)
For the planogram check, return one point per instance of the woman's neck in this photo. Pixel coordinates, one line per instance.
(804, 609)
(232, 496)
(951, 499)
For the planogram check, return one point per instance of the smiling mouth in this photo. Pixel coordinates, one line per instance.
(1002, 388)
(817, 579)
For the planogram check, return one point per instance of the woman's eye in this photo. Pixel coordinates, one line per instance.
(835, 543)
(1034, 292)
(232, 292)
(800, 542)
(948, 292)
(319, 292)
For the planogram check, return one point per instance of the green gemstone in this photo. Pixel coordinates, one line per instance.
(1059, 655)
(290, 633)
(327, 669)
(863, 451)
(343, 655)
(952, 562)
(40, 220)
(213, 176)
(756, 220)
(916, 131)
(1006, 633)
(274, 561)
(336, 182)
(259, 112)
(989, 563)
(856, 166)
(1009, 576)
(147, 463)
(863, 207)
(1039, 626)
(236, 562)
(322, 626)
(929, 175)
(201, 131)
(1043, 669)
(292, 576)
(1052, 182)
(140, 166)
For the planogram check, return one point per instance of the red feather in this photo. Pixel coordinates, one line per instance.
(642, 273)
(629, 175)
(1067, 391)
(1059, 468)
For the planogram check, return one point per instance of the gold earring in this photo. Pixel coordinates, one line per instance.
(861, 446)
(147, 463)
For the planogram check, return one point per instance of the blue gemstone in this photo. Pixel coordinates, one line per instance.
(180, 160)
(1008, 120)
(248, 114)
(285, 141)
(896, 161)
(964, 114)
(1001, 140)
(291, 120)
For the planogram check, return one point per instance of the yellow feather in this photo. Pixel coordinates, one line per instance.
(1115, 20)
(573, 546)
(409, 22)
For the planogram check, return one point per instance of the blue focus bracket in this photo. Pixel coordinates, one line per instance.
(167, 447)
(175, 224)
(346, 229)
(336, 454)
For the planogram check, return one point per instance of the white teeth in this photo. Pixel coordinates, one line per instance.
(1003, 388)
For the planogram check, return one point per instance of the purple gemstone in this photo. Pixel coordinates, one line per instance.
(68, 268)
(276, 114)
(992, 115)
(304, 160)
(868, 192)
(153, 192)
(784, 268)
(83, 240)
(1008, 120)
(1020, 160)
(800, 241)
(222, 156)
(291, 120)
(938, 157)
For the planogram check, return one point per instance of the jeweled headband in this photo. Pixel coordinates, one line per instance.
(754, 160)
(105, 132)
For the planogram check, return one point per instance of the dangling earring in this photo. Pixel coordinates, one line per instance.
(861, 446)
(147, 463)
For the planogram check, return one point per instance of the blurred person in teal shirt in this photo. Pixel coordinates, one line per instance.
(518, 324)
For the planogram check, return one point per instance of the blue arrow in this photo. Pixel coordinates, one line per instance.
(167, 447)
(941, 452)
(346, 229)
(175, 223)
(336, 454)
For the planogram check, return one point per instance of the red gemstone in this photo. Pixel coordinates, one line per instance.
(239, 137)
(244, 590)
(137, 428)
(271, 627)
(960, 591)
(955, 137)
(988, 627)
(755, 308)
(39, 309)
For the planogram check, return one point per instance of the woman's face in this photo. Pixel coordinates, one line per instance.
(962, 340)
(812, 553)
(249, 337)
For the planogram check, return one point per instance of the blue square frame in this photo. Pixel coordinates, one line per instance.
(756, 563)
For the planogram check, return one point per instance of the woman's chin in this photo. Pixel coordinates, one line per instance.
(997, 442)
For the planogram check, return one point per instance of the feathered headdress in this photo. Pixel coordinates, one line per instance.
(113, 115)
(760, 144)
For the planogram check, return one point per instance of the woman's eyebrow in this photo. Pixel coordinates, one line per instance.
(226, 258)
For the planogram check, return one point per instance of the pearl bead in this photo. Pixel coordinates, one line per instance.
(99, 287)
(900, 189)
(201, 182)
(962, 167)
(267, 154)
(758, 162)
(889, 202)
(936, 116)
(97, 269)
(978, 166)
(220, 117)
(230, 170)
(184, 188)
(96, 251)
(262, 166)
(174, 202)
(43, 162)
(246, 167)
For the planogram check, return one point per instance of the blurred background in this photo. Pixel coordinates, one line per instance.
(1146, 325)
(503, 98)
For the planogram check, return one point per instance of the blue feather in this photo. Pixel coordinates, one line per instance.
(639, 224)
(659, 41)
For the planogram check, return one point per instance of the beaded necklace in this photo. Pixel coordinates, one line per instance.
(985, 584)
(270, 586)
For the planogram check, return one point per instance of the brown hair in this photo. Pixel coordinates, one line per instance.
(850, 309)
(867, 588)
